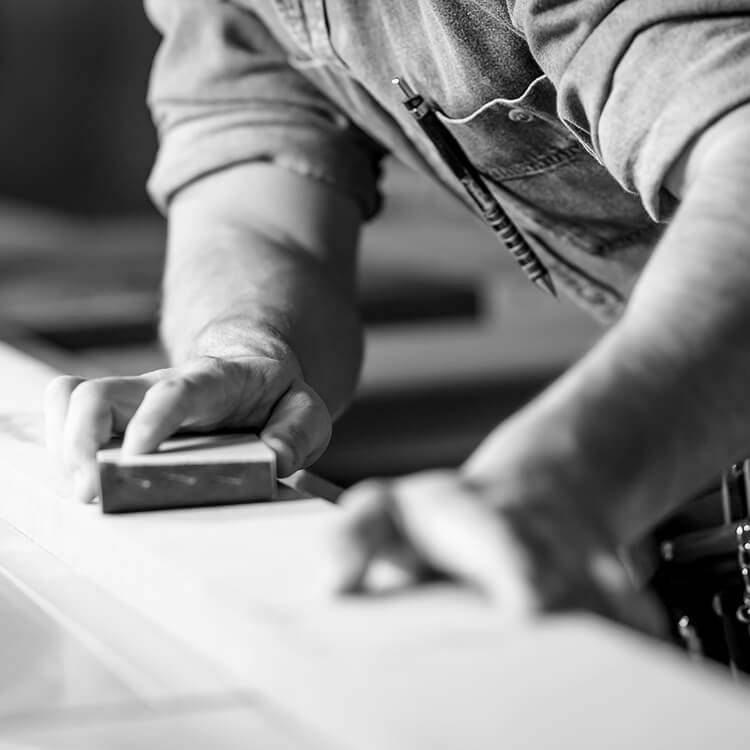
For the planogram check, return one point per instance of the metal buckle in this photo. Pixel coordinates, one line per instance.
(742, 535)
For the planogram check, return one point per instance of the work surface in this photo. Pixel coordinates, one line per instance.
(203, 628)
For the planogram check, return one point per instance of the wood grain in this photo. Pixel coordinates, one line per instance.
(187, 472)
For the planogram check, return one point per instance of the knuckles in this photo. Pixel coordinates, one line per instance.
(61, 387)
(204, 366)
(174, 385)
(89, 393)
(243, 389)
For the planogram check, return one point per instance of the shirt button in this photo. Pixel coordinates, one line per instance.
(520, 115)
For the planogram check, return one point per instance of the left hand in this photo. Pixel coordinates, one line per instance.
(525, 558)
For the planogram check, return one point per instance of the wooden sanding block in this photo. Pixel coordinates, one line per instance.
(187, 472)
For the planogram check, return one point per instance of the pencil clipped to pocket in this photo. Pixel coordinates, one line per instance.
(187, 472)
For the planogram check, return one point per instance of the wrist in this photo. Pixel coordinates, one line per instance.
(595, 444)
(331, 368)
(240, 335)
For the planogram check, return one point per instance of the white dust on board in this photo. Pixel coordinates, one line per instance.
(23, 427)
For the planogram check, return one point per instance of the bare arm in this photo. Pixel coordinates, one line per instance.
(259, 318)
(266, 185)
(661, 404)
(260, 259)
(657, 407)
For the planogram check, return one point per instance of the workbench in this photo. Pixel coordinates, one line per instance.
(205, 629)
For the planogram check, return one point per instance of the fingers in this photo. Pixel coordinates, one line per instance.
(458, 535)
(206, 393)
(623, 601)
(198, 394)
(56, 398)
(366, 530)
(298, 429)
(521, 560)
(429, 521)
(80, 417)
(88, 425)
(165, 406)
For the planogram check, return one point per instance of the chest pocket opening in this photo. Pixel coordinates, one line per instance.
(521, 144)
(511, 138)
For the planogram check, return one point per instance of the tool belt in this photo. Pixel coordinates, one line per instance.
(703, 576)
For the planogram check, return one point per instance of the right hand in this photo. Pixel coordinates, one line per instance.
(259, 393)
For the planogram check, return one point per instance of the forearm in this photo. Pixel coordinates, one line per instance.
(661, 404)
(238, 282)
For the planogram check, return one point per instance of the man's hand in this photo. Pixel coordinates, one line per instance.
(524, 558)
(650, 414)
(259, 319)
(259, 393)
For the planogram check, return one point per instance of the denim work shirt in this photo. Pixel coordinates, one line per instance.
(573, 110)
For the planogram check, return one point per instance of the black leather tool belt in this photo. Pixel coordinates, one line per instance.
(704, 575)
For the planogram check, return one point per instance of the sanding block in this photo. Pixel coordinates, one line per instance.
(187, 472)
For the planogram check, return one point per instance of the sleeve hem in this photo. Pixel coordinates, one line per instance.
(679, 125)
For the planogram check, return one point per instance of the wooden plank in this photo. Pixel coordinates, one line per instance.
(77, 645)
(434, 668)
(170, 727)
(47, 668)
(82, 669)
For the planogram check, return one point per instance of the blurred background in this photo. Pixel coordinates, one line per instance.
(456, 338)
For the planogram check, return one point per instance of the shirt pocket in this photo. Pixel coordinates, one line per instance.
(522, 146)
(512, 138)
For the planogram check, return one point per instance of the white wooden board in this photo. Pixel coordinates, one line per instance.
(431, 669)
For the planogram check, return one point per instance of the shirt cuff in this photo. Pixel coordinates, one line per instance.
(341, 157)
(718, 84)
(639, 80)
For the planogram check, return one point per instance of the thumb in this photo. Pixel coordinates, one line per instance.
(298, 429)
(462, 537)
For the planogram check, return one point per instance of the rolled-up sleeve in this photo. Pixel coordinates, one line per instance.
(638, 80)
(222, 93)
